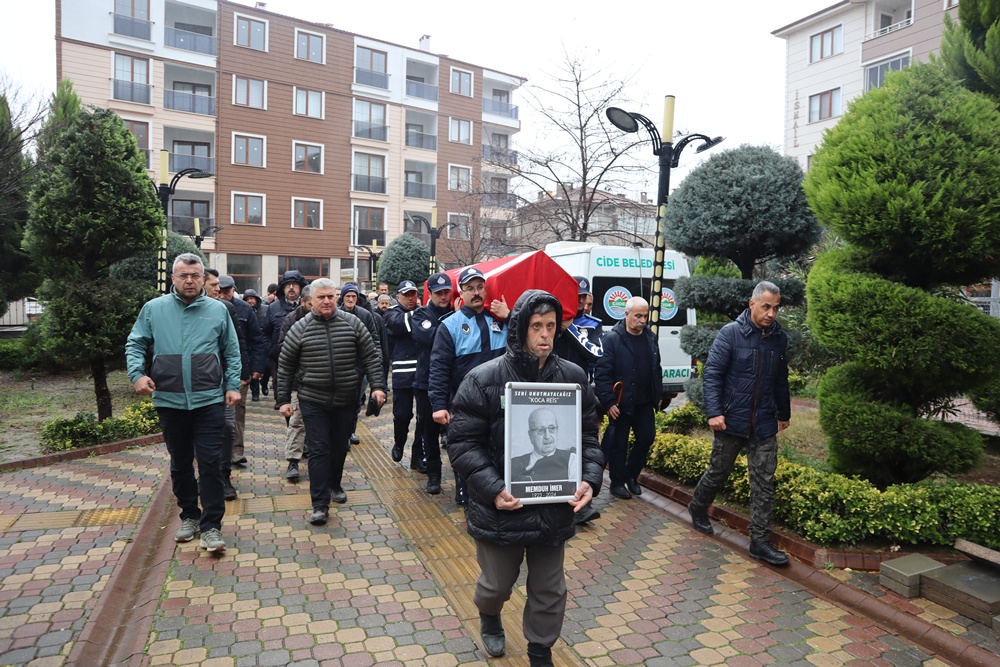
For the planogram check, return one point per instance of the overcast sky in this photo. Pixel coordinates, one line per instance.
(718, 58)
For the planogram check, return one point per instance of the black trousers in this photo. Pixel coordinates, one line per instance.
(625, 463)
(328, 431)
(431, 432)
(402, 415)
(196, 434)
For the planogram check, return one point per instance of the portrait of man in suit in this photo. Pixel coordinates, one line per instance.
(545, 462)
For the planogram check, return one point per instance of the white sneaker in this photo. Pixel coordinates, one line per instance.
(189, 528)
(211, 540)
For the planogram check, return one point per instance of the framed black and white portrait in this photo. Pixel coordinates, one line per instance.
(544, 435)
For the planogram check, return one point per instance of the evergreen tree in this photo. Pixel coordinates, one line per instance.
(971, 47)
(405, 258)
(17, 275)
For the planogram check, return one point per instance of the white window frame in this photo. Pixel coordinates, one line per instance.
(232, 208)
(460, 219)
(881, 61)
(322, 102)
(833, 43)
(950, 4)
(472, 82)
(295, 46)
(322, 156)
(236, 77)
(452, 125)
(236, 32)
(295, 200)
(459, 189)
(232, 150)
(834, 113)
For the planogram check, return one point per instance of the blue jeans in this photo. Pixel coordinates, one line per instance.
(196, 434)
(328, 431)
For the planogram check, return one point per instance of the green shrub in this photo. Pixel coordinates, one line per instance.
(11, 353)
(831, 509)
(84, 430)
(730, 296)
(682, 419)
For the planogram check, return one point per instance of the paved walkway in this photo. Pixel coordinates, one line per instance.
(388, 581)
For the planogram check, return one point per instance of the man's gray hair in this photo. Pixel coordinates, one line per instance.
(188, 258)
(306, 291)
(635, 301)
(543, 307)
(764, 286)
(322, 283)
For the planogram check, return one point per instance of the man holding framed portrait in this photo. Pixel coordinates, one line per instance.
(487, 433)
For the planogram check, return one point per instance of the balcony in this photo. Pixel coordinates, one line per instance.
(183, 224)
(180, 161)
(421, 140)
(498, 108)
(422, 90)
(499, 155)
(372, 78)
(889, 28)
(366, 130)
(499, 200)
(189, 41)
(130, 91)
(371, 236)
(365, 183)
(133, 27)
(420, 190)
(189, 102)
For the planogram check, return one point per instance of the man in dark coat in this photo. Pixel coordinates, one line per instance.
(352, 301)
(504, 530)
(399, 330)
(258, 359)
(286, 300)
(631, 356)
(260, 310)
(580, 339)
(747, 402)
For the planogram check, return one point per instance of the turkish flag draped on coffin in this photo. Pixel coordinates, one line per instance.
(510, 277)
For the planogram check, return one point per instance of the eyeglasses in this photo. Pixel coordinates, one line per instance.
(474, 288)
(184, 277)
(542, 430)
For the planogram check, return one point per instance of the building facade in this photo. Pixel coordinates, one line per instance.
(324, 145)
(842, 51)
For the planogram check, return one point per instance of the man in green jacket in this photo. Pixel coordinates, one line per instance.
(190, 343)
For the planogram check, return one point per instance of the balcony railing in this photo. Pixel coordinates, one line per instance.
(889, 28)
(365, 183)
(133, 27)
(131, 91)
(183, 224)
(421, 140)
(181, 101)
(366, 130)
(421, 90)
(370, 236)
(369, 77)
(180, 161)
(499, 200)
(498, 108)
(501, 155)
(189, 41)
(420, 190)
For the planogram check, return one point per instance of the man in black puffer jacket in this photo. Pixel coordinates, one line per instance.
(747, 402)
(505, 531)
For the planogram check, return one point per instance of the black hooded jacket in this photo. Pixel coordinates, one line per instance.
(476, 437)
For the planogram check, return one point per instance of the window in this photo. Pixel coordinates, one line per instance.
(190, 97)
(308, 103)
(371, 225)
(184, 211)
(131, 79)
(307, 213)
(249, 150)
(369, 173)
(309, 46)
(875, 74)
(369, 120)
(501, 96)
(140, 131)
(461, 230)
(948, 4)
(191, 154)
(132, 18)
(245, 270)
(371, 68)
(461, 82)
(459, 178)
(826, 44)
(460, 131)
(248, 208)
(249, 92)
(824, 105)
(251, 33)
(307, 157)
(311, 268)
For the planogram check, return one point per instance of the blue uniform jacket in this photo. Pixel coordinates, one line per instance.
(399, 330)
(464, 340)
(426, 320)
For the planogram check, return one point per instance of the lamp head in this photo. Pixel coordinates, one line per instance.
(709, 144)
(622, 119)
(200, 174)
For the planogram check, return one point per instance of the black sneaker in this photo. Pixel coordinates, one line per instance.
(633, 487)
(397, 453)
(241, 462)
(338, 496)
(263, 389)
(229, 491)
(354, 440)
(765, 551)
(620, 491)
(292, 473)
(418, 465)
(318, 517)
(587, 513)
(255, 398)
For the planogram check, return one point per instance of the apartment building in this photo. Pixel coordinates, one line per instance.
(838, 53)
(320, 141)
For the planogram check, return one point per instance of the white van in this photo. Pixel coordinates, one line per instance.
(616, 274)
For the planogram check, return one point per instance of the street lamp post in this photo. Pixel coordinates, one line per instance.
(434, 232)
(165, 190)
(373, 258)
(669, 157)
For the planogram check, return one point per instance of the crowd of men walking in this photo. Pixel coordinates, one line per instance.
(200, 352)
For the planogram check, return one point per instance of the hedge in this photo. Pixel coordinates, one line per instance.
(831, 509)
(84, 430)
